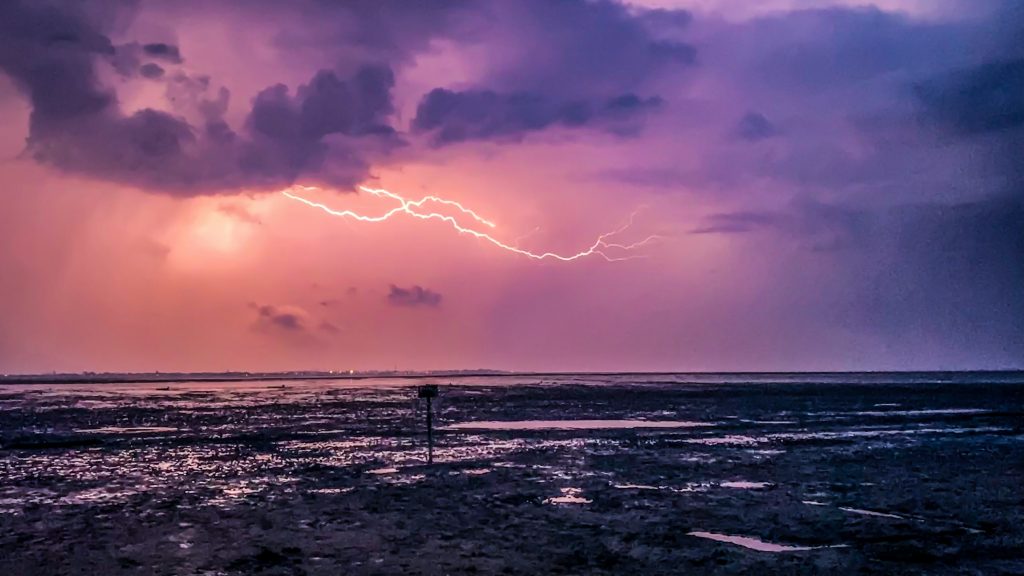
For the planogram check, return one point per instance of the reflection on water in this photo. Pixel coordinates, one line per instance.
(572, 425)
(569, 496)
(756, 544)
(739, 440)
(745, 485)
(382, 471)
(871, 513)
(126, 430)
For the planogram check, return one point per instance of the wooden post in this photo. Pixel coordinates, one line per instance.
(430, 432)
(429, 392)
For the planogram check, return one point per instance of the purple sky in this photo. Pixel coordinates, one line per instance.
(816, 185)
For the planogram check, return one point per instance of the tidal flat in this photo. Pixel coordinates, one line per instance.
(532, 474)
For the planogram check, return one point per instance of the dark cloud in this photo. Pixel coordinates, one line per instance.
(289, 134)
(132, 57)
(161, 51)
(76, 124)
(484, 114)
(327, 105)
(415, 296)
(49, 51)
(192, 95)
(591, 50)
(292, 323)
(596, 55)
(151, 71)
(377, 30)
(286, 318)
(608, 44)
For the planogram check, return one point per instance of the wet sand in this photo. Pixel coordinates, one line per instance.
(573, 475)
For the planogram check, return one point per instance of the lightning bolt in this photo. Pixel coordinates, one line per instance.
(519, 240)
(415, 209)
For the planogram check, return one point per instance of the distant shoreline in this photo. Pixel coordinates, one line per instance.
(158, 377)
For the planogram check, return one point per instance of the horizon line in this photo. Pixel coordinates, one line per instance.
(246, 375)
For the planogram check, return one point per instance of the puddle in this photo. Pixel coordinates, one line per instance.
(737, 440)
(699, 459)
(693, 487)
(871, 513)
(331, 490)
(382, 471)
(928, 412)
(745, 485)
(885, 432)
(690, 487)
(756, 544)
(572, 424)
(569, 496)
(402, 480)
(125, 430)
(954, 523)
(100, 495)
(731, 440)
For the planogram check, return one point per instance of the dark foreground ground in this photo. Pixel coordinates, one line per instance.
(890, 474)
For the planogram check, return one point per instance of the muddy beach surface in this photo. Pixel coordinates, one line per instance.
(839, 474)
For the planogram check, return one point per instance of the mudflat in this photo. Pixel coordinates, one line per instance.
(574, 474)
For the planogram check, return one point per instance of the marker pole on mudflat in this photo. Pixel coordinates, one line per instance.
(430, 432)
(429, 392)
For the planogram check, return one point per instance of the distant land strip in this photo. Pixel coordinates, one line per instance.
(937, 377)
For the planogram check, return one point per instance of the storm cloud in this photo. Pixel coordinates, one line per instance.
(77, 125)
(162, 51)
(480, 115)
(334, 127)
